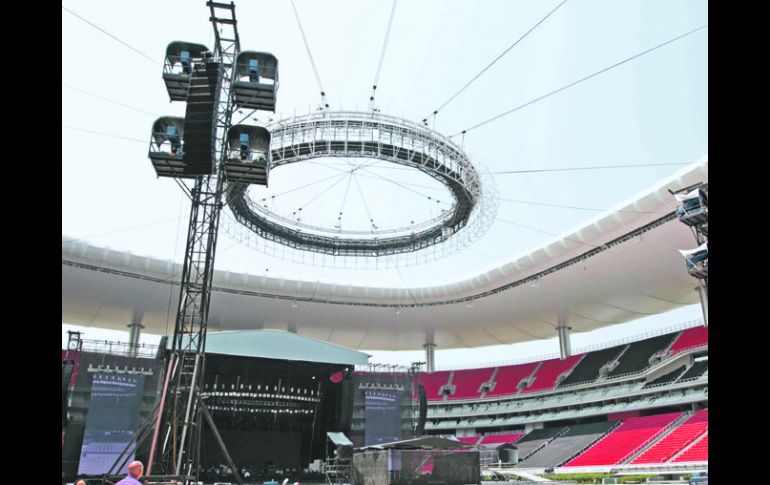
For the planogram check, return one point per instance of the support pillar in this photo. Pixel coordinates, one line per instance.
(430, 357)
(135, 330)
(565, 349)
(704, 302)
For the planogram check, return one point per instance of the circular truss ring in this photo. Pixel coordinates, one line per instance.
(363, 135)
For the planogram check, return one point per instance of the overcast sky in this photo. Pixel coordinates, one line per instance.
(650, 110)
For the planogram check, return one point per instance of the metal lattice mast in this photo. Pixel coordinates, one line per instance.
(179, 446)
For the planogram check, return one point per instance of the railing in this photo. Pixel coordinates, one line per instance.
(680, 381)
(523, 413)
(119, 348)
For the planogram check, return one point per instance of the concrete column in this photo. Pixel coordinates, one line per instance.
(565, 349)
(135, 330)
(704, 302)
(430, 362)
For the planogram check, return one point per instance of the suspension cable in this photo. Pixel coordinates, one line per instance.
(363, 199)
(435, 112)
(382, 56)
(112, 36)
(310, 55)
(573, 169)
(574, 83)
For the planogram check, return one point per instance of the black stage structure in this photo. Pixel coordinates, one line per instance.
(272, 415)
(271, 411)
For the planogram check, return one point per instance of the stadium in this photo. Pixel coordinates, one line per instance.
(260, 288)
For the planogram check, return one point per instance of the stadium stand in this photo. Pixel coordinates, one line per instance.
(637, 357)
(471, 440)
(692, 337)
(508, 377)
(697, 452)
(494, 400)
(631, 358)
(676, 440)
(433, 383)
(535, 439)
(696, 370)
(469, 381)
(670, 377)
(624, 440)
(496, 439)
(576, 439)
(549, 372)
(587, 369)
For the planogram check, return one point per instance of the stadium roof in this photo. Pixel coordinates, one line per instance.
(620, 266)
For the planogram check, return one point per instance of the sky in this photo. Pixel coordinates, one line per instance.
(651, 110)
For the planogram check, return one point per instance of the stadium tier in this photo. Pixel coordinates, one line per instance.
(690, 338)
(600, 365)
(677, 440)
(535, 440)
(588, 368)
(433, 383)
(624, 440)
(637, 356)
(548, 373)
(471, 440)
(697, 452)
(501, 438)
(697, 369)
(567, 445)
(670, 377)
(508, 377)
(469, 381)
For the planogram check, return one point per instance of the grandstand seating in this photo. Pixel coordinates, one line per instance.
(535, 439)
(546, 375)
(670, 377)
(698, 452)
(566, 446)
(433, 383)
(468, 381)
(496, 439)
(624, 439)
(584, 369)
(587, 369)
(692, 337)
(471, 440)
(696, 370)
(508, 377)
(678, 439)
(637, 357)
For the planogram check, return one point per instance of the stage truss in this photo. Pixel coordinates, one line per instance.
(357, 141)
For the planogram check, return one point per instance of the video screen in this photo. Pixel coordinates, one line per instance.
(382, 418)
(112, 420)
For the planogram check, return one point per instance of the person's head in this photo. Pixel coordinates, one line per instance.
(81, 482)
(135, 469)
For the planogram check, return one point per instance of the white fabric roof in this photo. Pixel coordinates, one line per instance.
(596, 273)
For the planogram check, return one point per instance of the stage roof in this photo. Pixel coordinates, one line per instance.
(281, 345)
(620, 266)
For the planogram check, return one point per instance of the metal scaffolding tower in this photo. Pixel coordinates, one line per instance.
(203, 80)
